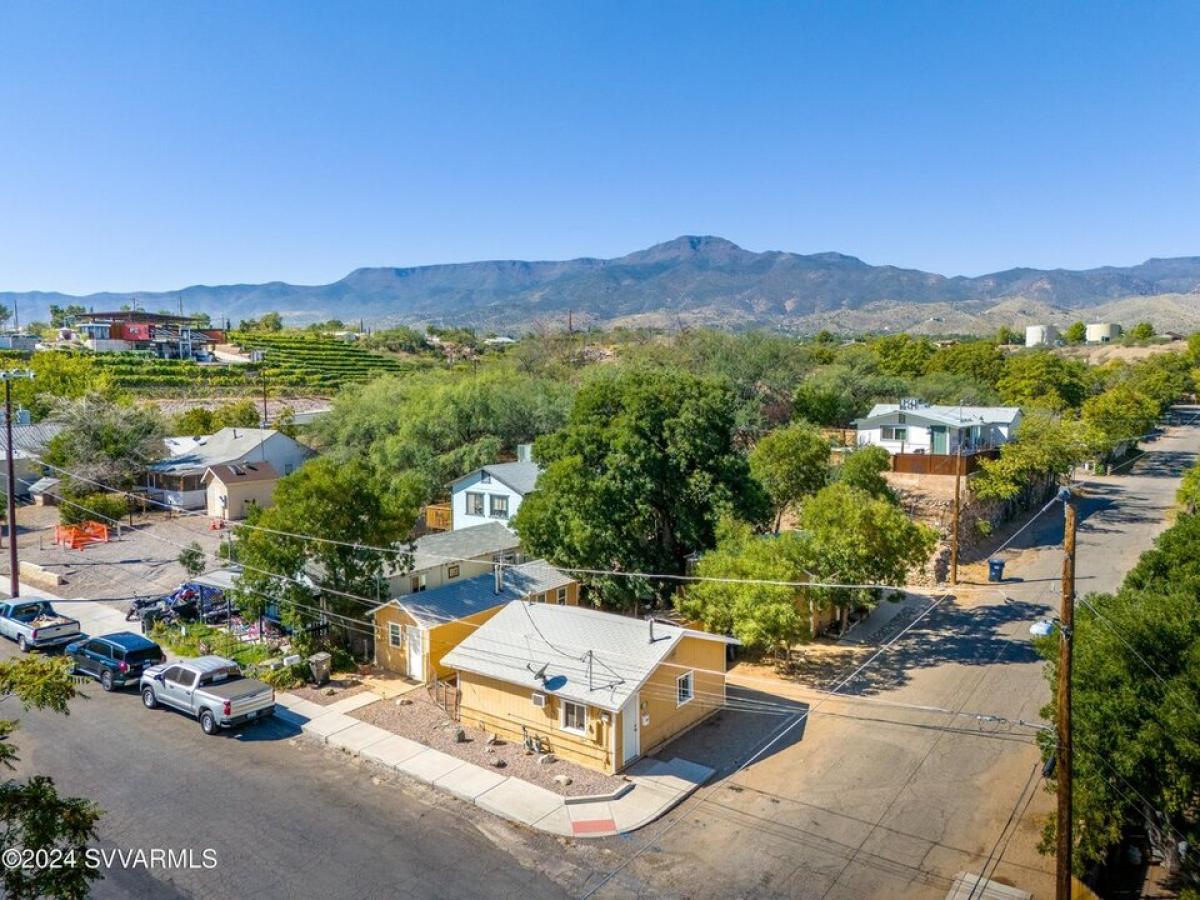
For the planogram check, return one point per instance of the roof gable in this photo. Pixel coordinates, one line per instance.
(520, 476)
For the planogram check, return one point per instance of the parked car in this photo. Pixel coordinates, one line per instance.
(116, 660)
(34, 625)
(212, 689)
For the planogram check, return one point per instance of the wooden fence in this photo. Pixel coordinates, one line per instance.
(438, 517)
(940, 463)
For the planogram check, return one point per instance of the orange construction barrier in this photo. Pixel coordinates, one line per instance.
(76, 537)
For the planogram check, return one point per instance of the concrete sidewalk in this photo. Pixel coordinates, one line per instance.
(654, 786)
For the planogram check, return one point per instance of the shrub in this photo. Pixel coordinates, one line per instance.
(107, 509)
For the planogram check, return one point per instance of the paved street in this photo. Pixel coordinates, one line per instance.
(878, 800)
(287, 819)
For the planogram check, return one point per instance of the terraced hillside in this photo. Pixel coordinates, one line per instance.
(315, 360)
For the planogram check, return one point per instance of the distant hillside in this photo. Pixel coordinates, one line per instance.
(685, 281)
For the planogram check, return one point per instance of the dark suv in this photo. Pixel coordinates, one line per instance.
(116, 659)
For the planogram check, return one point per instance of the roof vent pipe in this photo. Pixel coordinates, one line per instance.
(651, 620)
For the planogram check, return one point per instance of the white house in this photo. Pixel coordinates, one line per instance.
(178, 479)
(915, 427)
(493, 493)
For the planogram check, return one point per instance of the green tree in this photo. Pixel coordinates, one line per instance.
(1142, 331)
(790, 463)
(902, 354)
(271, 321)
(637, 479)
(343, 502)
(823, 403)
(1120, 415)
(1136, 708)
(237, 414)
(854, 538)
(1188, 495)
(193, 559)
(1076, 333)
(763, 617)
(439, 425)
(1006, 336)
(104, 442)
(194, 421)
(863, 469)
(981, 361)
(1042, 378)
(1045, 446)
(61, 316)
(32, 814)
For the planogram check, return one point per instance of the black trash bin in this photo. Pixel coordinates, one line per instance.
(995, 570)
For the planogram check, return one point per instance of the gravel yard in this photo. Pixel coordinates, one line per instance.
(141, 560)
(342, 687)
(425, 722)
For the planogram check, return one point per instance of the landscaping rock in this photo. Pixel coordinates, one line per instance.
(460, 736)
(497, 763)
(564, 780)
(546, 759)
(493, 740)
(404, 701)
(329, 692)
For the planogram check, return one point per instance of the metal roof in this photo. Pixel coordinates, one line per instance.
(958, 416)
(468, 596)
(520, 476)
(31, 440)
(194, 455)
(524, 640)
(465, 543)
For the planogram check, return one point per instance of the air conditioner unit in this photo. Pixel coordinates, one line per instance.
(539, 700)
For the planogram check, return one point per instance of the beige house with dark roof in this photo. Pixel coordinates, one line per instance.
(233, 489)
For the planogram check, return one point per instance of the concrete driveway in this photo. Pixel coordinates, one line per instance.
(874, 797)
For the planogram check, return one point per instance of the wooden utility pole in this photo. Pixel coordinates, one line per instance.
(1063, 763)
(958, 461)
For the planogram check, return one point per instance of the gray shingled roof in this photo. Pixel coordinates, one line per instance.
(472, 595)
(31, 440)
(520, 476)
(198, 455)
(522, 638)
(465, 543)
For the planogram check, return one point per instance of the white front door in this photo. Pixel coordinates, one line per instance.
(631, 731)
(416, 653)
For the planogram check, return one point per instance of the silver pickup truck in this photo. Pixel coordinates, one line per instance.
(211, 689)
(34, 625)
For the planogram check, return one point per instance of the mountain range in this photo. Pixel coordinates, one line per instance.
(690, 280)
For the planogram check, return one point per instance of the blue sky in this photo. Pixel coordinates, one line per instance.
(150, 146)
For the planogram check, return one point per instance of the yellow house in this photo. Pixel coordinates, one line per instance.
(414, 631)
(232, 489)
(595, 688)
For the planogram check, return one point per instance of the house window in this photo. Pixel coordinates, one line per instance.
(561, 596)
(499, 506)
(452, 571)
(474, 504)
(890, 433)
(417, 583)
(395, 638)
(574, 717)
(683, 689)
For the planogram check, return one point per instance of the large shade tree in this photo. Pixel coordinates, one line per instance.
(637, 480)
(354, 512)
(790, 463)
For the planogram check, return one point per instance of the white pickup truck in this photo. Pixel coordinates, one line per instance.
(34, 625)
(211, 689)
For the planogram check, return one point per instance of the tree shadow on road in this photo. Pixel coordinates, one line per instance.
(950, 634)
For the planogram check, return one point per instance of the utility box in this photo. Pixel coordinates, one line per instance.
(321, 665)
